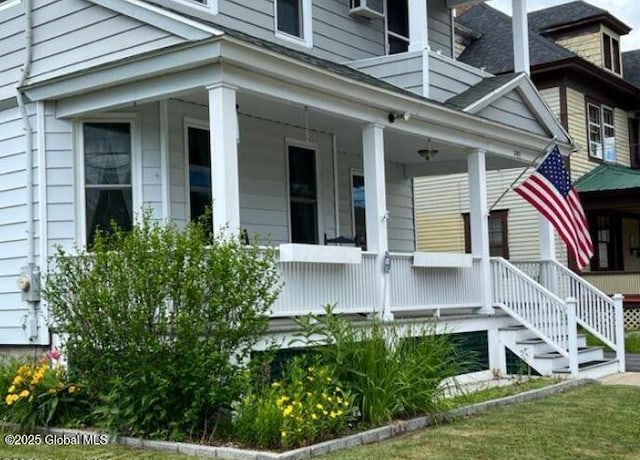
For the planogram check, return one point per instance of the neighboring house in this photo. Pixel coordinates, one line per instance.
(312, 121)
(576, 65)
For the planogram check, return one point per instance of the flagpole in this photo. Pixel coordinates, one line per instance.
(544, 152)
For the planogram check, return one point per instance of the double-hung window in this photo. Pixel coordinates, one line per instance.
(498, 234)
(602, 132)
(611, 53)
(293, 20)
(108, 191)
(397, 26)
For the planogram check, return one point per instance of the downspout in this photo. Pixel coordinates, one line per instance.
(29, 279)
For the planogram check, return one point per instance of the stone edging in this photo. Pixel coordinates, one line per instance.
(323, 448)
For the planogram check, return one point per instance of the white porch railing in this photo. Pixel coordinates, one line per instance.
(308, 287)
(595, 311)
(535, 307)
(424, 288)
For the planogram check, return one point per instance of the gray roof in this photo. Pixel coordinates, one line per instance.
(480, 90)
(573, 13)
(494, 49)
(631, 66)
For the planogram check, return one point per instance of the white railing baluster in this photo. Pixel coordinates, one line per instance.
(595, 311)
(531, 304)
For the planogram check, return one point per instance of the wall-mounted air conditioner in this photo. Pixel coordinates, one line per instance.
(366, 8)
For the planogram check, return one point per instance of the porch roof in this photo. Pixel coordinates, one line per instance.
(608, 178)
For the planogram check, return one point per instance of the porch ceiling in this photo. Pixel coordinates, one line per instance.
(399, 146)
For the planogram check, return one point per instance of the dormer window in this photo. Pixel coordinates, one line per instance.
(397, 26)
(293, 20)
(611, 53)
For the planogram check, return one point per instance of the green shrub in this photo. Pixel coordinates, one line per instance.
(158, 321)
(392, 369)
(38, 393)
(307, 405)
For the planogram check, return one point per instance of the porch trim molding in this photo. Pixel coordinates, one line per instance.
(161, 18)
(254, 68)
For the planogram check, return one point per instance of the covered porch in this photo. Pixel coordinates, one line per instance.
(292, 148)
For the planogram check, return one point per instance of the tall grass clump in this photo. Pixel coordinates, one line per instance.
(392, 369)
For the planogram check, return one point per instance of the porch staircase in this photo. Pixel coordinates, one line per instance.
(545, 330)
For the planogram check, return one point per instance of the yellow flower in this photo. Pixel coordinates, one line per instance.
(284, 434)
(24, 393)
(314, 416)
(333, 414)
(275, 384)
(339, 412)
(287, 410)
(12, 389)
(72, 389)
(319, 406)
(18, 380)
(51, 391)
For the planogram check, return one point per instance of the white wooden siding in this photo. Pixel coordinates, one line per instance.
(512, 110)
(448, 77)
(403, 70)
(439, 24)
(71, 35)
(11, 49)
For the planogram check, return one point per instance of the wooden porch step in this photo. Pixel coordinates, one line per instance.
(555, 354)
(587, 366)
(537, 340)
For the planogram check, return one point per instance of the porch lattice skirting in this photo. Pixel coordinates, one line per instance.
(632, 318)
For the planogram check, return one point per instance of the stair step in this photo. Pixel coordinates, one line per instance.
(537, 340)
(555, 354)
(516, 327)
(589, 365)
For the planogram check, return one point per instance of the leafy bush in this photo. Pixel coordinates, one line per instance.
(307, 405)
(39, 394)
(392, 369)
(158, 321)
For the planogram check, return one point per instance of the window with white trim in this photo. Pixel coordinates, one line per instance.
(397, 24)
(610, 53)
(108, 189)
(293, 20)
(602, 132)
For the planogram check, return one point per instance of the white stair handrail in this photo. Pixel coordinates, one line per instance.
(531, 304)
(595, 311)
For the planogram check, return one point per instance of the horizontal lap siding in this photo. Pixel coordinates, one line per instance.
(11, 49)
(403, 70)
(71, 35)
(448, 78)
(441, 200)
(336, 35)
(512, 110)
(439, 24)
(576, 109)
(13, 221)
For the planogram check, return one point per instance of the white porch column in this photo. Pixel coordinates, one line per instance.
(418, 29)
(224, 158)
(520, 36)
(547, 239)
(376, 210)
(479, 223)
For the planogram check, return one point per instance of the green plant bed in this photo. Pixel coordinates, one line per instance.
(632, 342)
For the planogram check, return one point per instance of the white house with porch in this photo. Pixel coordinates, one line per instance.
(304, 123)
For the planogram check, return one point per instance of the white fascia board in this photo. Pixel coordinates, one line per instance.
(157, 63)
(161, 18)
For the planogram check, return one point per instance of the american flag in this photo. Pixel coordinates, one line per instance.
(550, 191)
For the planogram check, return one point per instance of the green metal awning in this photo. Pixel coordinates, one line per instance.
(608, 177)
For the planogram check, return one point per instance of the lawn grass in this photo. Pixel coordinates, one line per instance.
(595, 421)
(500, 391)
(631, 342)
